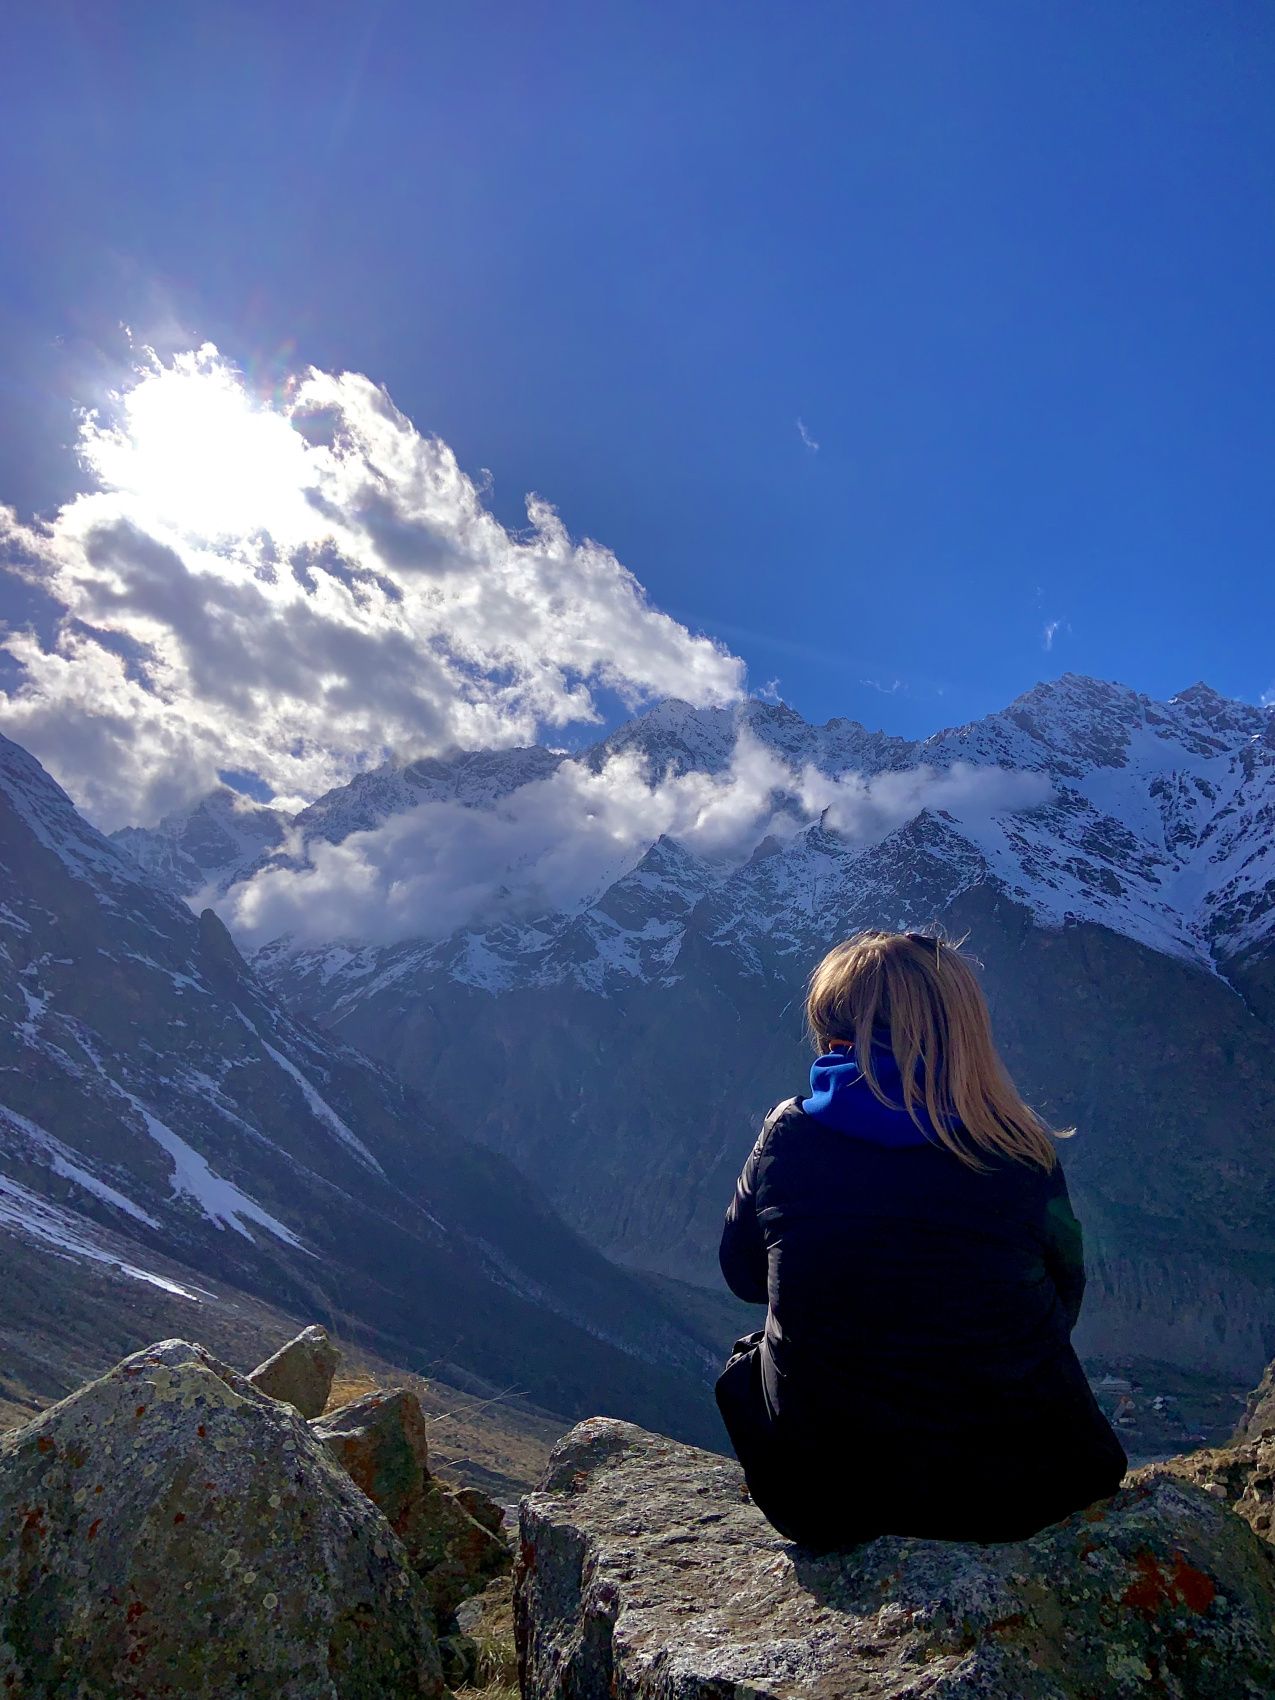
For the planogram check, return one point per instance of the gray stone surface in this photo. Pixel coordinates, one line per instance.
(646, 1573)
(301, 1372)
(169, 1531)
(381, 1440)
(1241, 1476)
(1258, 1421)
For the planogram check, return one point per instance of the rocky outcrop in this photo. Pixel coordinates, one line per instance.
(381, 1440)
(301, 1372)
(169, 1530)
(1258, 1421)
(1241, 1476)
(646, 1571)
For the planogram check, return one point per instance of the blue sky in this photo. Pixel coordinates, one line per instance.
(1009, 265)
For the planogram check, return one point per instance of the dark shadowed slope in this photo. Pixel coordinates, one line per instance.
(163, 1118)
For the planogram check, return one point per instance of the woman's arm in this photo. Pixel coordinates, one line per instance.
(743, 1251)
(1064, 1247)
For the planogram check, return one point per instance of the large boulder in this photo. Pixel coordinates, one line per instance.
(381, 1439)
(170, 1531)
(646, 1571)
(301, 1372)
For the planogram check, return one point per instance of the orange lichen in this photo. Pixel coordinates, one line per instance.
(1155, 1587)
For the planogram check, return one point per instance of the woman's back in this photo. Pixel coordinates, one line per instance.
(920, 1304)
(897, 1277)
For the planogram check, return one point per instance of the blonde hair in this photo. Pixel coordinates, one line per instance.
(923, 993)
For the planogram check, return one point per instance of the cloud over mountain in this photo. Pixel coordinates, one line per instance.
(557, 841)
(295, 588)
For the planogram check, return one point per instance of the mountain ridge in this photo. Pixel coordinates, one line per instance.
(1123, 922)
(162, 1117)
(1158, 823)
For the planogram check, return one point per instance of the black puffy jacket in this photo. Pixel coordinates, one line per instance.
(915, 1374)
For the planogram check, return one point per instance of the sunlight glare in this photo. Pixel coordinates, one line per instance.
(201, 456)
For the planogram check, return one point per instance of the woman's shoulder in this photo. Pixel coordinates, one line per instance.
(787, 1110)
(777, 1127)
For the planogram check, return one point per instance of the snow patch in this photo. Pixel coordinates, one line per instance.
(25, 1213)
(221, 1201)
(63, 1162)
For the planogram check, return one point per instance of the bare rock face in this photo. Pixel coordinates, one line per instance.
(646, 1571)
(169, 1530)
(381, 1440)
(301, 1372)
(481, 1507)
(1258, 1421)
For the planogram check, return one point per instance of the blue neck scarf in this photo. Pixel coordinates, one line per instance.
(840, 1098)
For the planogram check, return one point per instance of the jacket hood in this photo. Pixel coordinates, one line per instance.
(840, 1098)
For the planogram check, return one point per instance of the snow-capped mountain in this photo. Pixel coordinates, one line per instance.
(1156, 820)
(1112, 859)
(226, 837)
(1159, 820)
(199, 849)
(1122, 902)
(165, 1122)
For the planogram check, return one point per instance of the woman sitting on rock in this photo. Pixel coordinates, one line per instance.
(909, 1228)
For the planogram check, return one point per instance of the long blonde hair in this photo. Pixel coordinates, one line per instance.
(923, 992)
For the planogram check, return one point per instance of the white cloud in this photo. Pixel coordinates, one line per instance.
(558, 842)
(1051, 631)
(1267, 698)
(806, 438)
(299, 586)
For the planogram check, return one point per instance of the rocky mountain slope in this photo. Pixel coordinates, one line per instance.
(1124, 911)
(165, 1124)
(1156, 820)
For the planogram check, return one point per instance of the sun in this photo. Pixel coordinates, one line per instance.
(202, 457)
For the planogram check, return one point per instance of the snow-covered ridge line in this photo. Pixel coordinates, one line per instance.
(1154, 819)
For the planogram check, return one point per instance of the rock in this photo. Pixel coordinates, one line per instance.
(1259, 1413)
(481, 1507)
(460, 1659)
(1241, 1476)
(169, 1530)
(645, 1570)
(381, 1439)
(301, 1372)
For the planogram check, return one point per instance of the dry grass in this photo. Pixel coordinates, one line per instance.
(499, 1444)
(493, 1635)
(64, 1324)
(499, 1678)
(347, 1387)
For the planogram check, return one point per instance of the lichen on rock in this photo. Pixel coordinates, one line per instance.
(170, 1531)
(301, 1372)
(646, 1571)
(382, 1441)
